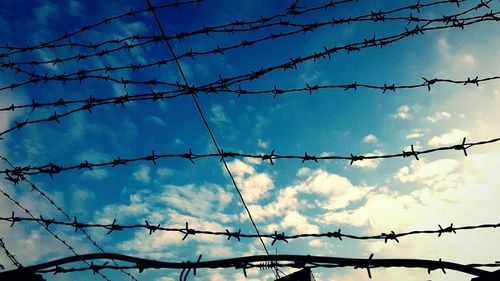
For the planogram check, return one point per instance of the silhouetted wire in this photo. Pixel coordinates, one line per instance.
(262, 23)
(225, 83)
(83, 74)
(67, 36)
(262, 262)
(380, 16)
(64, 213)
(200, 111)
(91, 102)
(9, 255)
(253, 25)
(57, 237)
(52, 169)
(237, 235)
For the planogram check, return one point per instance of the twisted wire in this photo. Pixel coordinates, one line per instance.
(380, 16)
(66, 244)
(83, 74)
(67, 36)
(263, 261)
(9, 255)
(52, 169)
(64, 213)
(238, 235)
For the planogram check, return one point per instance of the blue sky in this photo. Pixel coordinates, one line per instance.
(369, 197)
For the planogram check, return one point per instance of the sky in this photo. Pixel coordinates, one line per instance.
(368, 197)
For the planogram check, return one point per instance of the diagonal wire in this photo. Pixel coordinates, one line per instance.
(57, 237)
(200, 111)
(11, 257)
(64, 213)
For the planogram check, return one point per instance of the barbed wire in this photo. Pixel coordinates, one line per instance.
(34, 187)
(83, 74)
(225, 83)
(52, 169)
(229, 28)
(210, 132)
(57, 237)
(237, 235)
(380, 16)
(263, 262)
(91, 102)
(67, 36)
(9, 255)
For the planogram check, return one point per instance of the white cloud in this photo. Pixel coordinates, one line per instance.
(470, 199)
(164, 172)
(438, 174)
(415, 134)
(368, 163)
(142, 174)
(97, 174)
(262, 144)
(319, 191)
(438, 116)
(455, 136)
(218, 115)
(370, 139)
(403, 113)
(253, 185)
(156, 120)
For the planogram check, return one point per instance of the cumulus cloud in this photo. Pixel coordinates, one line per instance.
(370, 139)
(454, 136)
(253, 185)
(468, 200)
(368, 163)
(142, 174)
(319, 190)
(438, 174)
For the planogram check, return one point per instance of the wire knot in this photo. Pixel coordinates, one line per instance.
(268, 157)
(233, 234)
(411, 153)
(335, 234)
(307, 157)
(152, 228)
(278, 237)
(461, 147)
(390, 236)
(449, 229)
(188, 231)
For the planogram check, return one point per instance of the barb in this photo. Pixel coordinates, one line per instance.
(34, 187)
(232, 27)
(237, 26)
(11, 257)
(301, 28)
(51, 169)
(57, 237)
(246, 262)
(274, 237)
(89, 103)
(84, 74)
(207, 126)
(85, 28)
